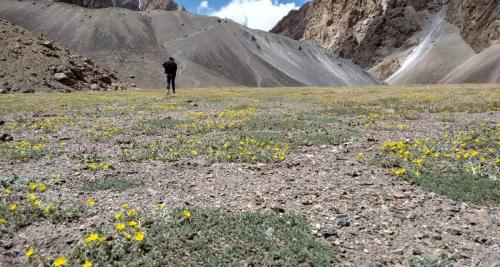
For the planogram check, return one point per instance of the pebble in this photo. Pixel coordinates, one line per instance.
(342, 220)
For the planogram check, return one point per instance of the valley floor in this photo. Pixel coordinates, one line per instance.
(385, 176)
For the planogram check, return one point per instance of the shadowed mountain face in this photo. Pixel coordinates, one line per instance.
(168, 5)
(420, 41)
(209, 51)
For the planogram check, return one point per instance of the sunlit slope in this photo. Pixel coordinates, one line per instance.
(209, 51)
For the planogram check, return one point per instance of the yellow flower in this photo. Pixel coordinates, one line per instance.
(186, 214)
(124, 206)
(31, 196)
(436, 155)
(31, 186)
(53, 176)
(3, 221)
(139, 236)
(60, 261)
(417, 174)
(127, 235)
(42, 187)
(104, 166)
(131, 212)
(120, 226)
(6, 191)
(87, 264)
(30, 252)
(426, 151)
(118, 215)
(160, 205)
(134, 224)
(37, 203)
(90, 202)
(399, 172)
(48, 209)
(193, 152)
(13, 206)
(91, 237)
(418, 162)
(92, 166)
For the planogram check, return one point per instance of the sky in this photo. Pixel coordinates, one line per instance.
(255, 14)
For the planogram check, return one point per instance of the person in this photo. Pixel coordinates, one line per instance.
(170, 70)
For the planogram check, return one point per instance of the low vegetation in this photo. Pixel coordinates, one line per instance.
(441, 138)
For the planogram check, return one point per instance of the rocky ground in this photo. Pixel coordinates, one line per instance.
(369, 216)
(29, 63)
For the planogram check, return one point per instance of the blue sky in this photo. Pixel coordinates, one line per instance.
(256, 14)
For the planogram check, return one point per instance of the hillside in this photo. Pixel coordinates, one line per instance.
(210, 52)
(168, 5)
(387, 37)
(30, 63)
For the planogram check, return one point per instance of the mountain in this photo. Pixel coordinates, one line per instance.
(30, 63)
(210, 52)
(414, 41)
(143, 5)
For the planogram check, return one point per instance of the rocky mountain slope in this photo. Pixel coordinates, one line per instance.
(380, 35)
(168, 5)
(29, 63)
(210, 51)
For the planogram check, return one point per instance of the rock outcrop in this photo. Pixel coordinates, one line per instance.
(379, 34)
(168, 5)
(366, 31)
(478, 21)
(29, 63)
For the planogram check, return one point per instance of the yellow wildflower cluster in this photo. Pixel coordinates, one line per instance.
(52, 124)
(103, 131)
(237, 113)
(249, 149)
(98, 166)
(475, 151)
(25, 150)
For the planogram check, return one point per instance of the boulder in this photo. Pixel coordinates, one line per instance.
(64, 79)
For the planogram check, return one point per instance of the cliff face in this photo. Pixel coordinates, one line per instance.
(168, 5)
(478, 21)
(367, 31)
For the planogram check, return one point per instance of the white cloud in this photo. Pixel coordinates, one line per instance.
(203, 8)
(255, 14)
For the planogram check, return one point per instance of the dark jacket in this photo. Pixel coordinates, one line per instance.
(170, 68)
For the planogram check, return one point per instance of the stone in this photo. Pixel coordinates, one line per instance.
(399, 195)
(342, 220)
(94, 87)
(326, 232)
(63, 78)
(6, 137)
(48, 44)
(106, 79)
(454, 232)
